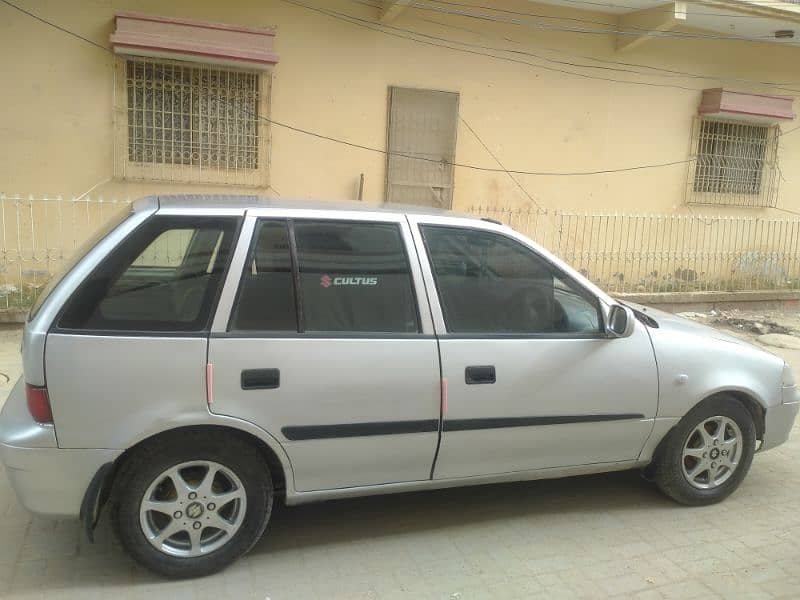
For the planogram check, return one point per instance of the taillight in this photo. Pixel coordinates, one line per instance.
(38, 403)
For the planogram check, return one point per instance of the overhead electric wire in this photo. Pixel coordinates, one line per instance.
(357, 21)
(672, 74)
(636, 31)
(593, 31)
(659, 71)
(430, 40)
(500, 164)
(615, 5)
(54, 25)
(470, 166)
(379, 150)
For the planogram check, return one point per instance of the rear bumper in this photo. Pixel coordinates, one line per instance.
(49, 481)
(779, 419)
(52, 482)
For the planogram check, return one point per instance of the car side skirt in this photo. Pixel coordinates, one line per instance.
(434, 484)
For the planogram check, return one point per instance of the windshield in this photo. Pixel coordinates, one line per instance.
(75, 258)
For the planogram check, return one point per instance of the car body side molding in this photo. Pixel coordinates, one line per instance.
(318, 432)
(502, 422)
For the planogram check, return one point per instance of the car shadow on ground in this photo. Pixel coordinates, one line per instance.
(351, 523)
(370, 518)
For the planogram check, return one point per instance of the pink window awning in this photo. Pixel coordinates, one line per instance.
(198, 41)
(718, 102)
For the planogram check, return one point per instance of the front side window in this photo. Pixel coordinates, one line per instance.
(491, 284)
(354, 277)
(165, 276)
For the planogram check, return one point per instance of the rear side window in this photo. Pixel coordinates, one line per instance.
(354, 277)
(165, 276)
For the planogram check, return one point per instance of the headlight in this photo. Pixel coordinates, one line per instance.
(788, 376)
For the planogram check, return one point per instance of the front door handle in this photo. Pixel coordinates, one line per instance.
(261, 379)
(480, 374)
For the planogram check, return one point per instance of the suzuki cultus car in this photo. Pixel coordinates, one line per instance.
(203, 358)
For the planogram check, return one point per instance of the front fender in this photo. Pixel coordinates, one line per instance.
(694, 366)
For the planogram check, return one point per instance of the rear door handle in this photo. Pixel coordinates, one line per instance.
(261, 379)
(480, 374)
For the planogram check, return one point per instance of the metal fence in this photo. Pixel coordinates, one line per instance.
(666, 253)
(39, 233)
(620, 252)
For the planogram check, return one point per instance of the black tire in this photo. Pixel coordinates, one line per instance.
(152, 459)
(667, 466)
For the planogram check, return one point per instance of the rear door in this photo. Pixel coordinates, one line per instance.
(326, 342)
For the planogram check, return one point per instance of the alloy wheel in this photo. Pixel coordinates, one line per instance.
(193, 508)
(711, 452)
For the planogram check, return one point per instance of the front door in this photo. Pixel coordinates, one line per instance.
(532, 382)
(326, 351)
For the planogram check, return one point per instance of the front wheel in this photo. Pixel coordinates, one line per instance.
(191, 503)
(708, 454)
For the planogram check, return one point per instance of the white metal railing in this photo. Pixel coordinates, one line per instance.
(620, 252)
(666, 253)
(38, 233)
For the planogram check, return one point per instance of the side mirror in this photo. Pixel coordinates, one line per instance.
(621, 321)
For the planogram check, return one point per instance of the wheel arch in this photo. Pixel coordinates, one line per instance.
(276, 467)
(753, 406)
(749, 401)
(98, 495)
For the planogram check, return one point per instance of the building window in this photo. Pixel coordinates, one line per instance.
(192, 122)
(422, 146)
(736, 163)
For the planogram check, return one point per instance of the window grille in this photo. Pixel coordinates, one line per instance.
(192, 122)
(736, 164)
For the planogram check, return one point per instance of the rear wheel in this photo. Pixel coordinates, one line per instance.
(190, 504)
(708, 453)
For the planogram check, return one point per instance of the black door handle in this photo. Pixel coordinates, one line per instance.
(482, 374)
(261, 379)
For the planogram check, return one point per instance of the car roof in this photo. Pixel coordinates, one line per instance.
(244, 202)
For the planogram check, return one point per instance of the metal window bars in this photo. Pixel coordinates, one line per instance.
(736, 164)
(181, 121)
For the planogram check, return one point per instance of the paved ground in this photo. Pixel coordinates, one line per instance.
(589, 537)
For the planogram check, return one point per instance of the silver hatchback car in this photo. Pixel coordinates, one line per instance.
(203, 357)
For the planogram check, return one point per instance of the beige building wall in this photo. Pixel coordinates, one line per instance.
(56, 122)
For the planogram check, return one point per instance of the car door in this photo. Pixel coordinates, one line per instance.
(532, 381)
(326, 347)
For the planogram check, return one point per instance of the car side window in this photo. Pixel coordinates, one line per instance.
(491, 284)
(266, 300)
(354, 277)
(165, 276)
